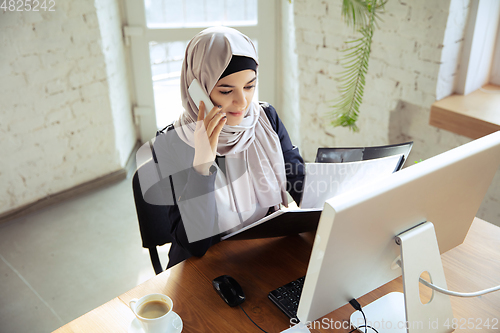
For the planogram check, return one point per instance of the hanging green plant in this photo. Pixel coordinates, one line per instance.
(362, 15)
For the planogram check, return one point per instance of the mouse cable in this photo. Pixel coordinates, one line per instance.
(251, 319)
(454, 293)
(355, 304)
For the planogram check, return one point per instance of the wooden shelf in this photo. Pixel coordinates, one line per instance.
(474, 115)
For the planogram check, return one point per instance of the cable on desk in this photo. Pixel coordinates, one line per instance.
(251, 319)
(355, 304)
(362, 327)
(357, 307)
(454, 293)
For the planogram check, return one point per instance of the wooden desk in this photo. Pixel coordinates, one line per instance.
(265, 264)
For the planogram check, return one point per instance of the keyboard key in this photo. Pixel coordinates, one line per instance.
(287, 297)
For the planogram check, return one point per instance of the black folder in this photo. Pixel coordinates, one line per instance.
(280, 223)
(355, 154)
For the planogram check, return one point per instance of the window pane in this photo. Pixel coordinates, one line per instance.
(200, 13)
(166, 63)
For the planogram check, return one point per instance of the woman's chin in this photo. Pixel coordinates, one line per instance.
(233, 120)
(233, 123)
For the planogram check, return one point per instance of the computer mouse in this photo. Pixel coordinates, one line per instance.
(229, 290)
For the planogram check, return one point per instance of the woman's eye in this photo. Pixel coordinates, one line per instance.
(230, 91)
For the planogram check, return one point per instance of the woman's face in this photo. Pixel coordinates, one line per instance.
(234, 92)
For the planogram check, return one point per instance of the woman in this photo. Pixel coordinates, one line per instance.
(228, 166)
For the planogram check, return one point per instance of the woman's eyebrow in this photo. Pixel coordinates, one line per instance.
(230, 86)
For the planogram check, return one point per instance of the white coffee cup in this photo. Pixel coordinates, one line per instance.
(153, 325)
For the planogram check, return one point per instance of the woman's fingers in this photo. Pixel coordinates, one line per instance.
(214, 138)
(201, 112)
(201, 115)
(215, 110)
(206, 118)
(210, 115)
(208, 128)
(214, 123)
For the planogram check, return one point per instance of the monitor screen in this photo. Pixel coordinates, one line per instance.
(354, 250)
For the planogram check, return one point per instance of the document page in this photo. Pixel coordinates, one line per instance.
(326, 180)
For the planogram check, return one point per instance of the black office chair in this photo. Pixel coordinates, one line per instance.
(153, 223)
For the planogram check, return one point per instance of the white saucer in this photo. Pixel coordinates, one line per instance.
(175, 322)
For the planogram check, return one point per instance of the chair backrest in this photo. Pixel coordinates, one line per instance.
(153, 221)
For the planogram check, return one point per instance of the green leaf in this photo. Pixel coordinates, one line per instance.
(362, 14)
(354, 12)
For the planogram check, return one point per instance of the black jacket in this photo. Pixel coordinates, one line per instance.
(175, 159)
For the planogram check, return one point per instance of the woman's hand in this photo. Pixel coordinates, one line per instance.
(206, 137)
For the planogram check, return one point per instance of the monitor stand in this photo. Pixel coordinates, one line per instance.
(398, 313)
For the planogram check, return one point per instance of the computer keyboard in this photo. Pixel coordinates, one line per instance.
(287, 297)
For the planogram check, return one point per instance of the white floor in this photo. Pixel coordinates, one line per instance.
(65, 260)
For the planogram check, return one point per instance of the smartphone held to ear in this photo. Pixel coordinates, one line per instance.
(197, 94)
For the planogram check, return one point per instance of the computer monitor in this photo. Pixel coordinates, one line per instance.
(355, 252)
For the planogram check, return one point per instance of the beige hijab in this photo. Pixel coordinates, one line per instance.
(253, 141)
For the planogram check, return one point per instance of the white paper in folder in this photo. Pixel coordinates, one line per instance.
(326, 180)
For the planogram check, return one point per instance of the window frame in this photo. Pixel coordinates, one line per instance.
(138, 36)
(482, 33)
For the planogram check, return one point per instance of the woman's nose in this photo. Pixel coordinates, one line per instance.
(239, 99)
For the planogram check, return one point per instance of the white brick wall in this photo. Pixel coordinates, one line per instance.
(415, 54)
(64, 120)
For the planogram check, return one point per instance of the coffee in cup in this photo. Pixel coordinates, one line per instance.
(153, 312)
(153, 309)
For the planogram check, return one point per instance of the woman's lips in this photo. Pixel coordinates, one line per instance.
(236, 114)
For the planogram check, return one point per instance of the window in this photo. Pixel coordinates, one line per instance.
(200, 13)
(480, 62)
(473, 110)
(158, 33)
